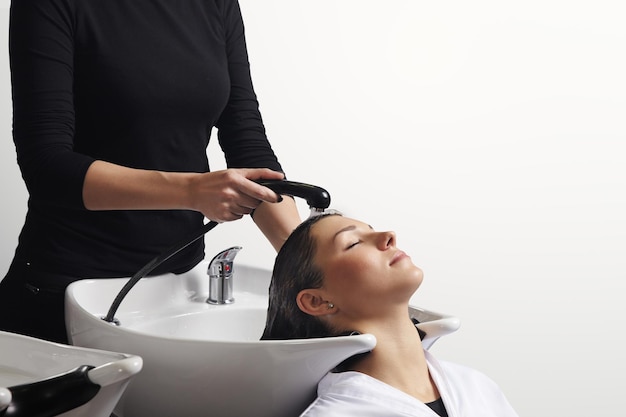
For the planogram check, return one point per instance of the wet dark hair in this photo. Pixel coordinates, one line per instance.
(294, 271)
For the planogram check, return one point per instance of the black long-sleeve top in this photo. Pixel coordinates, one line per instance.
(138, 83)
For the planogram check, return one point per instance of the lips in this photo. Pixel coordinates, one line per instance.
(399, 255)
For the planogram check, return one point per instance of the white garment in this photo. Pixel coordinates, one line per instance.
(465, 393)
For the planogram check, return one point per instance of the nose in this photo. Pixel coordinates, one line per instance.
(386, 240)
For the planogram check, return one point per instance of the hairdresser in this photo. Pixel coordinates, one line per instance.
(113, 106)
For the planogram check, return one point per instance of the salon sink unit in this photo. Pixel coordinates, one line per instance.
(40, 378)
(202, 359)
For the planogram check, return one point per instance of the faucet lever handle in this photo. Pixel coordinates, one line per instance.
(222, 263)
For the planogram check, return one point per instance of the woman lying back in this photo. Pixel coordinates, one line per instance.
(336, 275)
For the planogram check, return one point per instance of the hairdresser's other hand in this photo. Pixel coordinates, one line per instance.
(230, 194)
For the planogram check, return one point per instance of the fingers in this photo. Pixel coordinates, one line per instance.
(262, 174)
(232, 193)
(233, 207)
(257, 191)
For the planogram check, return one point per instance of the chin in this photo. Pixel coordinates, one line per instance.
(412, 276)
(418, 277)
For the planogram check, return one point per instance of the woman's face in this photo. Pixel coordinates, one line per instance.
(362, 268)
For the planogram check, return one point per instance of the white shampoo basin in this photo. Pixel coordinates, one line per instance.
(202, 359)
(38, 377)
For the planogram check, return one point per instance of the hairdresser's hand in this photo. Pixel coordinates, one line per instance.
(232, 193)
(221, 196)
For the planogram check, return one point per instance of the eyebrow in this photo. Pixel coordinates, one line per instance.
(347, 229)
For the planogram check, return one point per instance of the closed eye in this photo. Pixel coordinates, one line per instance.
(353, 245)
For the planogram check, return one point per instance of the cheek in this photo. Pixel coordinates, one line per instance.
(351, 275)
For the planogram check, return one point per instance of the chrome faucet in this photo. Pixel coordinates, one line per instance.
(221, 277)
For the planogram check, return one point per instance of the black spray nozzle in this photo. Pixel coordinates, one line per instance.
(316, 197)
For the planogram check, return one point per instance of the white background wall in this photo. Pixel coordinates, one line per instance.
(489, 135)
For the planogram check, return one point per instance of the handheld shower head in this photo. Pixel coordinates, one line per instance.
(316, 197)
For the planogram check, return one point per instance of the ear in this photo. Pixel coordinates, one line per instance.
(312, 302)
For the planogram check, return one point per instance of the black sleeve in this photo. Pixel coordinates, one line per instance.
(241, 132)
(41, 58)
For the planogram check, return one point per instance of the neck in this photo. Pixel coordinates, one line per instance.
(398, 358)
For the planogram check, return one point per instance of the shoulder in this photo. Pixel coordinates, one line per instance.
(454, 371)
(466, 375)
(335, 396)
(346, 382)
(459, 384)
(348, 394)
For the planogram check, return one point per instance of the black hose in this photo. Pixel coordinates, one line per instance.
(149, 267)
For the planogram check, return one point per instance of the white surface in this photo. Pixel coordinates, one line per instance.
(5, 398)
(25, 360)
(199, 356)
(489, 135)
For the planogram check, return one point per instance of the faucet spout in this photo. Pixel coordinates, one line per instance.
(220, 273)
